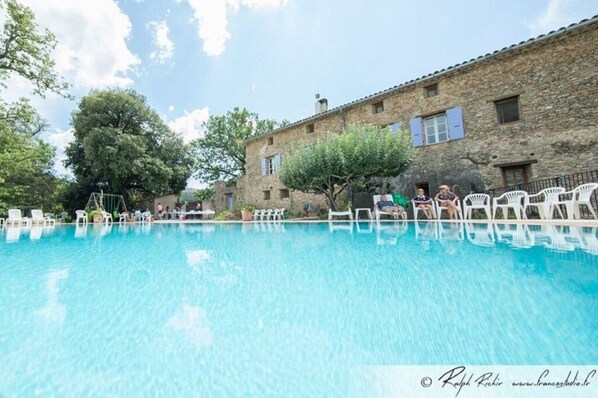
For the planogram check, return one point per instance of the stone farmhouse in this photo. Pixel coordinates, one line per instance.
(523, 113)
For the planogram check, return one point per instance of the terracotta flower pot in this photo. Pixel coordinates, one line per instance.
(246, 215)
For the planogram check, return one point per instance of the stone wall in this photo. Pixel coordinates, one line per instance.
(557, 134)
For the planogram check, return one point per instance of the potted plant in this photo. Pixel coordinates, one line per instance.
(95, 215)
(247, 212)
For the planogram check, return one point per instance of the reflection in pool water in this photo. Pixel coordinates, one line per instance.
(285, 309)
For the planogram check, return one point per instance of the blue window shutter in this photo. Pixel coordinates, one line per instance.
(415, 125)
(276, 163)
(454, 118)
(395, 127)
(263, 166)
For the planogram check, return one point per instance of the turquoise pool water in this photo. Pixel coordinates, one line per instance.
(274, 309)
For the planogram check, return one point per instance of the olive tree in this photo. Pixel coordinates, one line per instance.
(329, 165)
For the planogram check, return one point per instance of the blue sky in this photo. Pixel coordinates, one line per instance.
(195, 58)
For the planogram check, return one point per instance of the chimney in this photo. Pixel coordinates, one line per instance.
(321, 104)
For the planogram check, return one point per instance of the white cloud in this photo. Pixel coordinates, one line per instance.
(171, 108)
(212, 19)
(555, 16)
(60, 139)
(190, 126)
(165, 47)
(92, 47)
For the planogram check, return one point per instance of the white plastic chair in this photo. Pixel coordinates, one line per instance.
(513, 200)
(81, 215)
(458, 210)
(15, 218)
(581, 195)
(416, 209)
(256, 214)
(378, 212)
(37, 216)
(545, 201)
(123, 217)
(146, 216)
(106, 217)
(476, 201)
(347, 213)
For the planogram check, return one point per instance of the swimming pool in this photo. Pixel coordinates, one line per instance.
(284, 309)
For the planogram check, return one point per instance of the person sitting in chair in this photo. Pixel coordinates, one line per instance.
(388, 206)
(423, 201)
(447, 199)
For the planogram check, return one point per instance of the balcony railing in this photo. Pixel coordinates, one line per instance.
(569, 182)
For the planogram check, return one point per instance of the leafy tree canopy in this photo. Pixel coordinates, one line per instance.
(220, 154)
(330, 165)
(204, 194)
(26, 161)
(26, 52)
(122, 146)
(26, 177)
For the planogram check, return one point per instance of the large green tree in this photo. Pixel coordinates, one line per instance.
(329, 165)
(26, 177)
(26, 161)
(220, 153)
(26, 51)
(122, 146)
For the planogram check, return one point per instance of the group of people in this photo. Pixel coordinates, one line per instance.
(162, 214)
(444, 197)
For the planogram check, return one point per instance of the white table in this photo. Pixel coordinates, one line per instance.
(364, 209)
(196, 213)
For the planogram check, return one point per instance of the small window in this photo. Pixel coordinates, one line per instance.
(284, 193)
(310, 128)
(271, 141)
(378, 107)
(266, 195)
(431, 90)
(507, 110)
